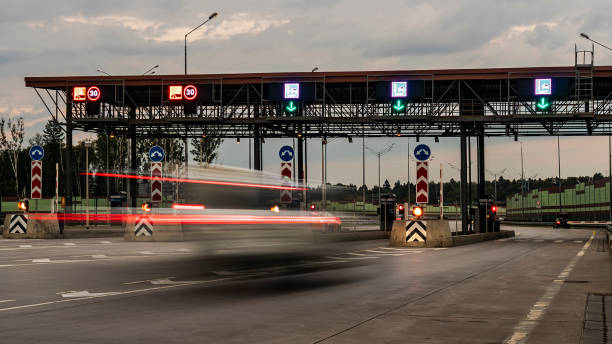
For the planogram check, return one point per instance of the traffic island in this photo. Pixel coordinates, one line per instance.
(421, 233)
(436, 233)
(31, 226)
(144, 228)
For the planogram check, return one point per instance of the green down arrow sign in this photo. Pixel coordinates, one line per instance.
(291, 107)
(543, 104)
(399, 106)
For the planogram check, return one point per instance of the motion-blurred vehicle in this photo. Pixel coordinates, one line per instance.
(561, 221)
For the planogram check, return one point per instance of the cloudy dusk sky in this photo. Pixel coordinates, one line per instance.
(53, 38)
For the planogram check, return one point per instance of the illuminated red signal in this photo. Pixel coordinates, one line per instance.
(400, 207)
(313, 207)
(93, 93)
(190, 92)
(494, 208)
(79, 93)
(23, 205)
(146, 207)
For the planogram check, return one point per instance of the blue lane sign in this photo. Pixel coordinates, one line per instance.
(37, 152)
(156, 154)
(286, 153)
(422, 152)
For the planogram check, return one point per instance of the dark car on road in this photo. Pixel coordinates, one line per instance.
(561, 221)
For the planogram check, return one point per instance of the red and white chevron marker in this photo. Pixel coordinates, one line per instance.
(286, 175)
(156, 184)
(422, 182)
(36, 186)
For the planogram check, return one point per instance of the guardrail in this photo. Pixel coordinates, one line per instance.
(609, 237)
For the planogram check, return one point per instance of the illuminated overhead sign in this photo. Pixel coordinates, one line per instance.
(190, 92)
(292, 91)
(93, 93)
(399, 89)
(175, 92)
(79, 93)
(543, 87)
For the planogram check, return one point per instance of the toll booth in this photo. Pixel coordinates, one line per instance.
(386, 211)
(117, 202)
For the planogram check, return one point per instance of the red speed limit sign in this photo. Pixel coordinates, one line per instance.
(190, 92)
(93, 93)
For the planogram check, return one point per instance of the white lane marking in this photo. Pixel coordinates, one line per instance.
(381, 252)
(400, 249)
(145, 281)
(578, 241)
(3, 301)
(184, 250)
(351, 258)
(439, 248)
(69, 244)
(524, 328)
(558, 241)
(99, 256)
(105, 242)
(359, 254)
(25, 246)
(84, 293)
(41, 260)
(143, 290)
(333, 261)
(167, 281)
(146, 252)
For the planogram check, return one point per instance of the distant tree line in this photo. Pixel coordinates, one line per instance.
(107, 152)
(110, 153)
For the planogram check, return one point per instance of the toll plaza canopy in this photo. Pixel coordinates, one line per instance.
(574, 100)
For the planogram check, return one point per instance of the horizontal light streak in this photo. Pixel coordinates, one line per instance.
(180, 206)
(194, 181)
(168, 219)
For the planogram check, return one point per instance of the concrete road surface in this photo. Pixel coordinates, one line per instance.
(529, 289)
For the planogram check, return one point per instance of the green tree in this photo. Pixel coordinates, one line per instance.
(204, 150)
(11, 142)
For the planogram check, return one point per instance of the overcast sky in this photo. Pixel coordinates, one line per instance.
(48, 38)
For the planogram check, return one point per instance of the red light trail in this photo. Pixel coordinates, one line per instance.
(195, 181)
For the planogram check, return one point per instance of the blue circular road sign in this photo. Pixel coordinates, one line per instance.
(37, 152)
(286, 153)
(422, 152)
(156, 154)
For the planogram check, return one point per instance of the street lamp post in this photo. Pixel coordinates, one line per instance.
(87, 145)
(197, 27)
(151, 70)
(379, 154)
(495, 179)
(522, 184)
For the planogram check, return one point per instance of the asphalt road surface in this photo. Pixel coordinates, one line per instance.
(532, 288)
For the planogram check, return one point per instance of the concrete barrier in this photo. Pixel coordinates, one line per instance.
(31, 226)
(142, 228)
(423, 233)
(438, 234)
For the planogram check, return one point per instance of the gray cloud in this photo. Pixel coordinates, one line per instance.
(124, 37)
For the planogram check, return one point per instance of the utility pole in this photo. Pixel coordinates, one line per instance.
(408, 165)
(363, 174)
(494, 174)
(379, 154)
(559, 160)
